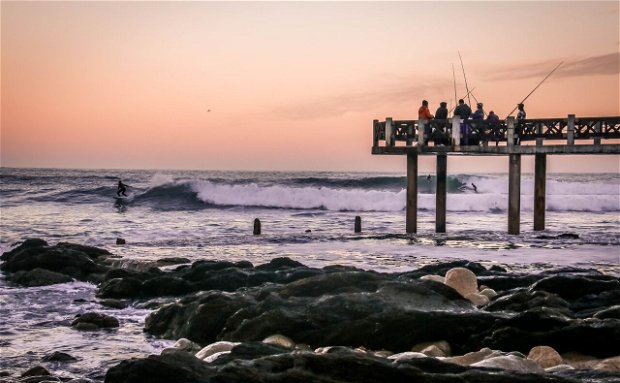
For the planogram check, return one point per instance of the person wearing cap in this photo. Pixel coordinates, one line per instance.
(425, 114)
(478, 115)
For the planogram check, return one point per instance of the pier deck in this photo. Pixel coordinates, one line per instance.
(538, 137)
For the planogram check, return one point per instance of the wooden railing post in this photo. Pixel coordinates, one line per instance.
(597, 131)
(514, 193)
(389, 132)
(375, 133)
(456, 131)
(410, 134)
(421, 125)
(539, 139)
(570, 134)
(510, 134)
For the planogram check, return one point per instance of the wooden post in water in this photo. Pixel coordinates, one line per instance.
(412, 192)
(540, 174)
(257, 226)
(358, 224)
(514, 193)
(440, 197)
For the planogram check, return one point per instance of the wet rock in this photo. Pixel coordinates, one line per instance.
(183, 345)
(343, 365)
(522, 300)
(403, 356)
(58, 356)
(215, 348)
(545, 356)
(433, 277)
(609, 364)
(94, 321)
(36, 371)
(279, 340)
(120, 241)
(80, 262)
(610, 313)
(462, 280)
(512, 363)
(442, 346)
(39, 277)
(120, 288)
(172, 261)
(571, 287)
(477, 299)
(489, 293)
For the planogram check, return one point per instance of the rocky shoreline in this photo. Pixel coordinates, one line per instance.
(286, 322)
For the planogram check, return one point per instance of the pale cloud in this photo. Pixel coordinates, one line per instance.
(607, 64)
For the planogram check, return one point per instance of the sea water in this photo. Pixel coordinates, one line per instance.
(307, 216)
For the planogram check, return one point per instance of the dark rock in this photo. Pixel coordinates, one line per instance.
(301, 367)
(279, 264)
(58, 356)
(172, 261)
(442, 268)
(522, 300)
(114, 303)
(572, 287)
(508, 282)
(75, 261)
(120, 241)
(200, 318)
(120, 288)
(166, 285)
(610, 313)
(39, 277)
(36, 371)
(94, 321)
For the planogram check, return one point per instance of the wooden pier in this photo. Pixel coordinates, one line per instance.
(538, 137)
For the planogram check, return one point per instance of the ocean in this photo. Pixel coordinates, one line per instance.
(307, 216)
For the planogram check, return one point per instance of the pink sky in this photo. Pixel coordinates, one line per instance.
(289, 85)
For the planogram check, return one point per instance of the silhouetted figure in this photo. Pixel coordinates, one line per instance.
(428, 178)
(122, 188)
(473, 185)
(463, 111)
(520, 121)
(442, 111)
(425, 114)
(493, 123)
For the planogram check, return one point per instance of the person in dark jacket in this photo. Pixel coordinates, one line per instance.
(478, 115)
(463, 111)
(519, 126)
(493, 123)
(121, 189)
(442, 111)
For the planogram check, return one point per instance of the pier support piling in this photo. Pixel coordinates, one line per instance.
(514, 194)
(440, 201)
(257, 229)
(412, 193)
(540, 174)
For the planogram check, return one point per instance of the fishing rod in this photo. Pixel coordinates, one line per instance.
(466, 87)
(454, 79)
(468, 93)
(539, 84)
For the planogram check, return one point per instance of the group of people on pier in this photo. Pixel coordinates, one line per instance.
(474, 128)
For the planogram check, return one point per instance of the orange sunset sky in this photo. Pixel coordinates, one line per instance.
(286, 85)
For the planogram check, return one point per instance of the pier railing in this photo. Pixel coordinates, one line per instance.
(510, 131)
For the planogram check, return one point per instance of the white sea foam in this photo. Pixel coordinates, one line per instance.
(488, 197)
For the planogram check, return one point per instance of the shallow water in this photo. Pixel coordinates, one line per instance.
(305, 216)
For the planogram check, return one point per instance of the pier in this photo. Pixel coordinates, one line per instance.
(513, 138)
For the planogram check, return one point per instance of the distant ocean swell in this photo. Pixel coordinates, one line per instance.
(331, 194)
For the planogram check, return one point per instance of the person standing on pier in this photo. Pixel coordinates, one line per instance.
(425, 114)
(463, 111)
(519, 128)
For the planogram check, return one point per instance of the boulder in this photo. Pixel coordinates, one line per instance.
(612, 312)
(215, 348)
(182, 345)
(545, 356)
(473, 357)
(462, 280)
(279, 340)
(442, 346)
(477, 299)
(58, 356)
(36, 371)
(512, 363)
(609, 364)
(433, 277)
(94, 321)
(39, 277)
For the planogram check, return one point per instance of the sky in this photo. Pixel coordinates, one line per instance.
(287, 85)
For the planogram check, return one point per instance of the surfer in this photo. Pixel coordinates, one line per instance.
(428, 178)
(122, 188)
(473, 185)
